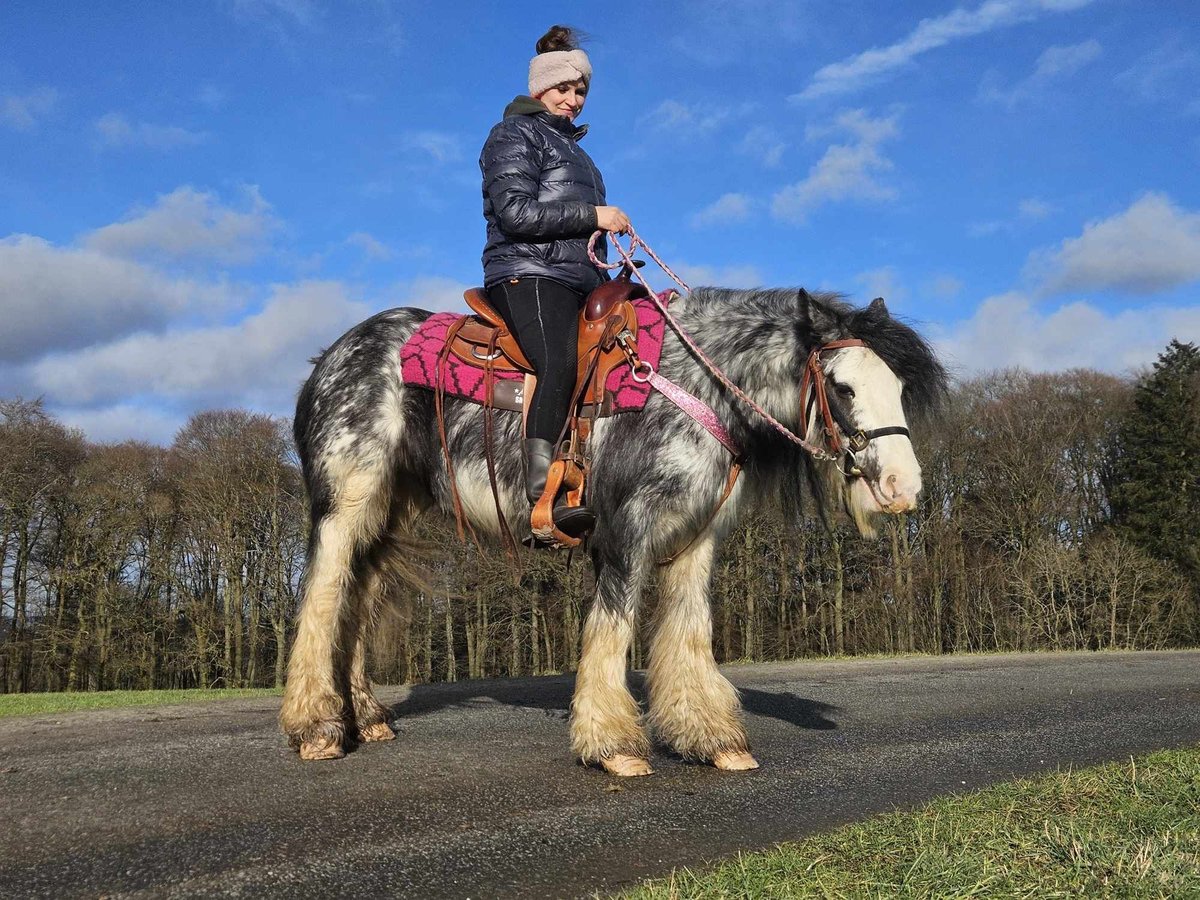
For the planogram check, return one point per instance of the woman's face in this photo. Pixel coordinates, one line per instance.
(565, 99)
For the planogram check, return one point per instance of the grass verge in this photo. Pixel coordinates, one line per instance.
(36, 704)
(1122, 830)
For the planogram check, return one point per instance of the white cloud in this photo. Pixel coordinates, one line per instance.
(292, 22)
(882, 282)
(763, 144)
(845, 172)
(122, 422)
(430, 292)
(1066, 60)
(23, 111)
(211, 96)
(372, 247)
(116, 131)
(1053, 63)
(859, 124)
(121, 348)
(302, 13)
(1007, 330)
(719, 276)
(260, 361)
(1031, 209)
(725, 210)
(64, 298)
(855, 71)
(440, 146)
(945, 287)
(671, 115)
(727, 32)
(1166, 74)
(1152, 246)
(1035, 209)
(190, 224)
(988, 228)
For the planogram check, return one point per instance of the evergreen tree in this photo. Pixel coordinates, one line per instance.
(1156, 494)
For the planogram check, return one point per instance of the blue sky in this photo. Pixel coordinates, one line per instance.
(196, 198)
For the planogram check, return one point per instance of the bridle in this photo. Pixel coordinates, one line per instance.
(814, 375)
(842, 439)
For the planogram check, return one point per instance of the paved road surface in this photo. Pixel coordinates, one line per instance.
(479, 797)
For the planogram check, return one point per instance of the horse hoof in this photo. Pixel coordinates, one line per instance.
(323, 748)
(735, 761)
(380, 731)
(626, 766)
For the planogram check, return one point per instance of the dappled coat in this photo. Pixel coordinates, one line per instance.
(540, 193)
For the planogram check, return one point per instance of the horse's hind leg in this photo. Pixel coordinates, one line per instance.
(370, 716)
(605, 726)
(390, 570)
(313, 712)
(693, 707)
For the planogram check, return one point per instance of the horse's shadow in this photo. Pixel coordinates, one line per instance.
(552, 694)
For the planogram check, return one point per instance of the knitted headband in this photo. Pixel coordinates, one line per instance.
(557, 67)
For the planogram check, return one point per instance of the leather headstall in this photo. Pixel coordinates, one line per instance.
(837, 426)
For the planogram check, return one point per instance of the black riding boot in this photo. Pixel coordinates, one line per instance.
(572, 521)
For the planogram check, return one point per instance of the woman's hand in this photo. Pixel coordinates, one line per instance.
(612, 218)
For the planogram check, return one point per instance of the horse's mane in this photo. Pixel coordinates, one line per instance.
(894, 341)
(905, 352)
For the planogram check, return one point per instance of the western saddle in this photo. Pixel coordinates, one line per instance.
(607, 338)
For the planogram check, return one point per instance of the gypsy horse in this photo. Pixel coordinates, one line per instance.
(373, 461)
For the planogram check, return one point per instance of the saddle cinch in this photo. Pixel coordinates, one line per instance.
(607, 338)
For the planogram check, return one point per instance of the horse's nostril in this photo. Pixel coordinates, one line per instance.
(891, 485)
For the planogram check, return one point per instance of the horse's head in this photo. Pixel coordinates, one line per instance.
(866, 375)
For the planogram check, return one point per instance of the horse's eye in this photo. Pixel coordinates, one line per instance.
(844, 390)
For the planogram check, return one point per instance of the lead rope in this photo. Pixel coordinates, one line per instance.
(627, 259)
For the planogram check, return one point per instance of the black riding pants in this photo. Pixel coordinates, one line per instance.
(543, 316)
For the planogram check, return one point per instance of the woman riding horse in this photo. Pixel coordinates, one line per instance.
(542, 198)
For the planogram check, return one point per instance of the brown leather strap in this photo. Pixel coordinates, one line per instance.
(489, 382)
(439, 394)
(735, 469)
(581, 386)
(814, 377)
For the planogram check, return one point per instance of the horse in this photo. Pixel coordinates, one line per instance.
(373, 461)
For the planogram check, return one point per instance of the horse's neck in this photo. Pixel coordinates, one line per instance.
(757, 352)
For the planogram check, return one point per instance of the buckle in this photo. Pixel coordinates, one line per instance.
(858, 442)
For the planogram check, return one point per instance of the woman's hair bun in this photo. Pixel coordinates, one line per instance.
(559, 37)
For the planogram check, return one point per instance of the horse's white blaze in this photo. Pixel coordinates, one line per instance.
(893, 474)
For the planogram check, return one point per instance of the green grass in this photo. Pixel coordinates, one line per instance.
(35, 704)
(1123, 830)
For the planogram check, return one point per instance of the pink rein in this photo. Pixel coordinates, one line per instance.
(627, 259)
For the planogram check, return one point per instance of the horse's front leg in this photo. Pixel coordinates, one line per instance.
(693, 707)
(606, 727)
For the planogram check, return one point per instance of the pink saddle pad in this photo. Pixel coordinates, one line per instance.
(419, 359)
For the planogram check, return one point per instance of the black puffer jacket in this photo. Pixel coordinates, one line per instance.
(540, 193)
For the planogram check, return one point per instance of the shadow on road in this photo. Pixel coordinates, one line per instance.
(553, 694)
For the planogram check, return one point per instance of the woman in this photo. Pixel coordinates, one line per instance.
(542, 199)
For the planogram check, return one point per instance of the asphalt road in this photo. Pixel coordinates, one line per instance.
(479, 797)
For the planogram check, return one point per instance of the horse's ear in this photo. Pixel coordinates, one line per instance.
(821, 321)
(878, 306)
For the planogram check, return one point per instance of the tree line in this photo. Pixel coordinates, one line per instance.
(1060, 511)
